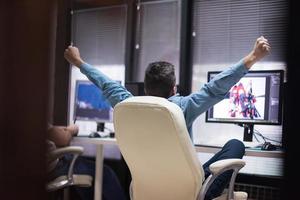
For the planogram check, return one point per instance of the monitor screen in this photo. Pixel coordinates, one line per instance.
(135, 88)
(255, 99)
(90, 104)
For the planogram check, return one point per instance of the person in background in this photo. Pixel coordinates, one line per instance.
(160, 81)
(61, 136)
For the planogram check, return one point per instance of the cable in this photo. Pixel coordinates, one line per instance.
(264, 137)
(256, 132)
(256, 138)
(110, 130)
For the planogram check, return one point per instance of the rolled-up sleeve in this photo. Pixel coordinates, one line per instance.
(212, 92)
(113, 91)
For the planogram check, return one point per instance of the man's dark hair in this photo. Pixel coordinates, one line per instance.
(160, 79)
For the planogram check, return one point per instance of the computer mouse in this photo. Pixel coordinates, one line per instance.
(267, 146)
(94, 135)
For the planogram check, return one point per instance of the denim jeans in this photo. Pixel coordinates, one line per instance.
(232, 149)
(111, 188)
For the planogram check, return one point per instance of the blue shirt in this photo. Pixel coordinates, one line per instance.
(192, 105)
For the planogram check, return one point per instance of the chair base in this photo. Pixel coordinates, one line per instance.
(62, 181)
(237, 196)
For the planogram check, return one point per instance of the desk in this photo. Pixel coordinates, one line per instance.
(258, 162)
(248, 152)
(99, 142)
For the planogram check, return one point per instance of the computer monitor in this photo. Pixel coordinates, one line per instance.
(135, 88)
(255, 99)
(91, 105)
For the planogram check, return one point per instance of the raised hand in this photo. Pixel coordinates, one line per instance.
(72, 55)
(261, 49)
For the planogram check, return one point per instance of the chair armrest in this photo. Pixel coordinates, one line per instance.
(58, 153)
(226, 164)
(218, 168)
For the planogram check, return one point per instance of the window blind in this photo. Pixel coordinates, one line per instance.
(225, 30)
(100, 34)
(158, 35)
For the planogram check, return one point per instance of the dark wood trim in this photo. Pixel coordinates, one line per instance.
(135, 40)
(26, 61)
(292, 109)
(86, 4)
(62, 68)
(185, 77)
(130, 41)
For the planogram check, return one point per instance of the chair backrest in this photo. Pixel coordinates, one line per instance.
(153, 139)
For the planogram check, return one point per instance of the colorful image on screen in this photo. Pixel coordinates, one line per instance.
(255, 99)
(246, 100)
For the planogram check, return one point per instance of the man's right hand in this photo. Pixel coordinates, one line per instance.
(62, 135)
(72, 55)
(73, 129)
(261, 49)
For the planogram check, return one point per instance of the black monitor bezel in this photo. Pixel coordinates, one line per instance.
(281, 72)
(139, 85)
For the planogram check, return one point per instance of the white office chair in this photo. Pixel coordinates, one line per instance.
(153, 139)
(64, 182)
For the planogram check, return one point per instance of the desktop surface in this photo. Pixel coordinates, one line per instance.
(264, 146)
(110, 148)
(91, 129)
(258, 162)
(96, 134)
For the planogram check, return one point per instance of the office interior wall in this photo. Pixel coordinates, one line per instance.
(293, 71)
(223, 33)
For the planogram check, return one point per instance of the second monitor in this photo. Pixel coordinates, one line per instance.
(91, 105)
(255, 99)
(135, 88)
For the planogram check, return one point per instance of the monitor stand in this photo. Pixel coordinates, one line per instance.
(100, 126)
(248, 132)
